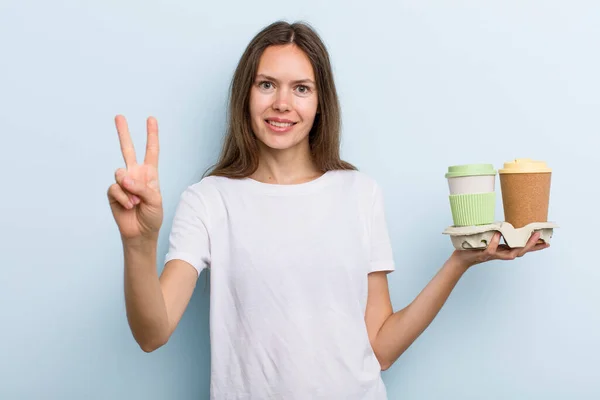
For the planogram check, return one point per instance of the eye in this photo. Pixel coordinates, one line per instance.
(303, 89)
(265, 85)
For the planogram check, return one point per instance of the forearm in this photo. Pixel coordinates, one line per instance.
(402, 328)
(145, 305)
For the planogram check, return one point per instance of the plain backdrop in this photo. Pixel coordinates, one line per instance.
(423, 85)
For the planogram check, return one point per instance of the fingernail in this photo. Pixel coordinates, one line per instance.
(136, 200)
(128, 181)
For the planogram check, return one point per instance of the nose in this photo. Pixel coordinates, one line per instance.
(282, 101)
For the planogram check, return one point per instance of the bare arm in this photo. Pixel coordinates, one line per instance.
(155, 305)
(397, 331)
(392, 333)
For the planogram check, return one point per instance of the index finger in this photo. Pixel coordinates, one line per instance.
(494, 243)
(125, 141)
(152, 143)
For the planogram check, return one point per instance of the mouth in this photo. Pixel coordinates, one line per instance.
(280, 126)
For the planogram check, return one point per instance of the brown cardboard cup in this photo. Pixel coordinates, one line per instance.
(525, 186)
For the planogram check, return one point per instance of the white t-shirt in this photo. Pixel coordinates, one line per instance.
(288, 275)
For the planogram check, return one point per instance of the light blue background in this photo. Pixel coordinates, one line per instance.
(423, 85)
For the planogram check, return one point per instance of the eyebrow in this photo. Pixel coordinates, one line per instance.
(270, 78)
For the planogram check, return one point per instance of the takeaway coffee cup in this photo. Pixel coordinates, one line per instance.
(472, 194)
(525, 186)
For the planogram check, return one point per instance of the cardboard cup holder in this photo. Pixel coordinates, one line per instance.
(478, 237)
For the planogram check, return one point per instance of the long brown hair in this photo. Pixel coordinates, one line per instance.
(240, 154)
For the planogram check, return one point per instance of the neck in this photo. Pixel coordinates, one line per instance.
(286, 167)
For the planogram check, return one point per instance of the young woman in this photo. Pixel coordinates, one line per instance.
(295, 238)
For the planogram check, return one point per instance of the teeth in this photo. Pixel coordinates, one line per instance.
(281, 124)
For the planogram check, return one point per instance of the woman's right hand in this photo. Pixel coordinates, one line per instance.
(135, 198)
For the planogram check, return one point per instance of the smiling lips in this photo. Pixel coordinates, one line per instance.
(279, 125)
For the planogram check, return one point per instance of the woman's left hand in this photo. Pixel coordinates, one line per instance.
(497, 251)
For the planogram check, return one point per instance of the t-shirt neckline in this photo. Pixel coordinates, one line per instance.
(286, 189)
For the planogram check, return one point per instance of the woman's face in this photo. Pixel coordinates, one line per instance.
(283, 98)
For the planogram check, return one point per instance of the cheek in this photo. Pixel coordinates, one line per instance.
(308, 109)
(259, 103)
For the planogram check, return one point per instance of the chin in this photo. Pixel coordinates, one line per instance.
(284, 141)
(279, 144)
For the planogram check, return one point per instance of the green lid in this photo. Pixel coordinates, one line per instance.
(456, 171)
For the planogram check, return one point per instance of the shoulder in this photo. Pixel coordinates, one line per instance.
(356, 180)
(205, 198)
(207, 192)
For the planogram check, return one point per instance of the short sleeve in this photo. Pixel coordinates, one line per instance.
(382, 258)
(189, 239)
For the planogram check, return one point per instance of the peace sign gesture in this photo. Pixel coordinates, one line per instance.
(135, 198)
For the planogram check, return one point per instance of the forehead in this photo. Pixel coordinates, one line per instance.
(285, 62)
